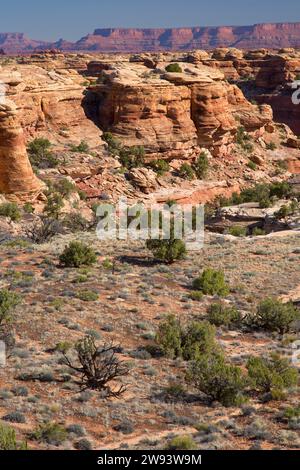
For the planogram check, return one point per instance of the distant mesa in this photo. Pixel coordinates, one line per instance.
(265, 35)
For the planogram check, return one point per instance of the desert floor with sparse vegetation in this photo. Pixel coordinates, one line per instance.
(123, 298)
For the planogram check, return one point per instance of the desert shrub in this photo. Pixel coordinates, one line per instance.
(272, 374)
(167, 250)
(40, 154)
(169, 337)
(43, 230)
(262, 193)
(8, 302)
(28, 208)
(8, 439)
(77, 254)
(238, 231)
(52, 433)
(281, 190)
(271, 146)
(201, 166)
(257, 232)
(211, 282)
(159, 166)
(182, 443)
(83, 147)
(132, 157)
(251, 165)
(217, 379)
(274, 315)
(98, 366)
(219, 315)
(188, 342)
(87, 296)
(11, 210)
(75, 222)
(114, 145)
(196, 295)
(198, 338)
(287, 210)
(186, 171)
(83, 444)
(173, 68)
(244, 140)
(63, 186)
(53, 205)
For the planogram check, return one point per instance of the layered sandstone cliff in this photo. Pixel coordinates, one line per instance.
(266, 35)
(51, 102)
(173, 114)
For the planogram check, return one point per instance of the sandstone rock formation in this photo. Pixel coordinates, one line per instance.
(17, 180)
(51, 102)
(172, 114)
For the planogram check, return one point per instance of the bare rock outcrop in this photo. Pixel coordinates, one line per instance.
(17, 180)
(173, 114)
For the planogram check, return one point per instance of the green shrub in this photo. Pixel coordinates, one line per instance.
(256, 232)
(88, 296)
(182, 443)
(186, 172)
(196, 295)
(114, 145)
(167, 251)
(287, 210)
(188, 342)
(8, 439)
(211, 282)
(64, 187)
(219, 315)
(159, 166)
(53, 205)
(77, 254)
(52, 433)
(81, 148)
(8, 302)
(11, 210)
(198, 338)
(274, 315)
(220, 381)
(28, 208)
(238, 231)
(174, 68)
(271, 146)
(272, 374)
(132, 157)
(40, 155)
(201, 166)
(262, 193)
(75, 222)
(252, 165)
(244, 140)
(169, 337)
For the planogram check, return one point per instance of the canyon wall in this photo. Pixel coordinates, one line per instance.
(267, 35)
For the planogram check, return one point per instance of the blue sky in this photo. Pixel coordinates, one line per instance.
(72, 19)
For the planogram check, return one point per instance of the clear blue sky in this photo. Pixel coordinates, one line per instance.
(72, 19)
